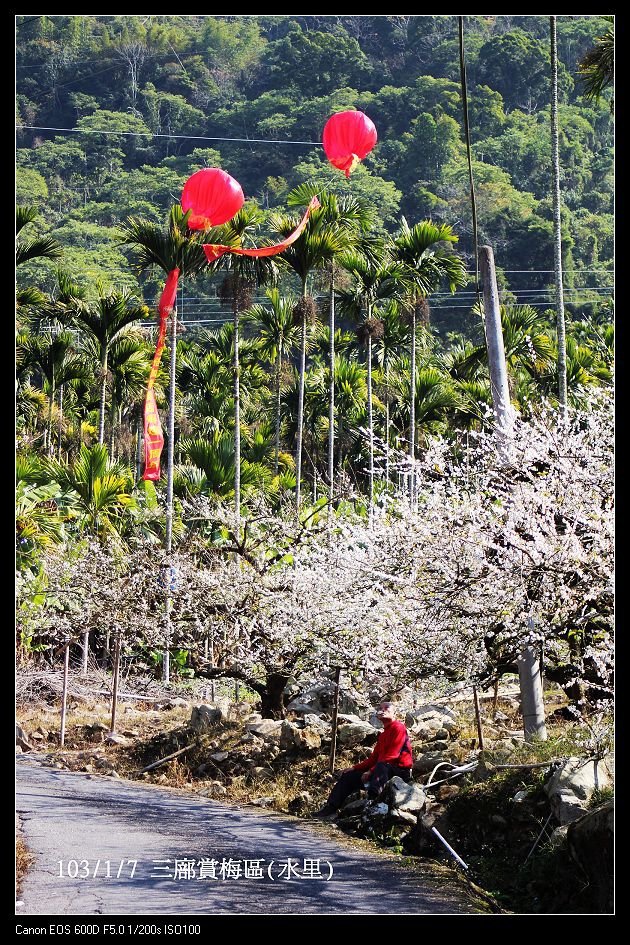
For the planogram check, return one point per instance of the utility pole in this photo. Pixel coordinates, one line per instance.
(532, 705)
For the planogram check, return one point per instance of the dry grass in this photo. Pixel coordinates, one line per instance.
(23, 860)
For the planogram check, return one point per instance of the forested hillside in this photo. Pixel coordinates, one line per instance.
(153, 98)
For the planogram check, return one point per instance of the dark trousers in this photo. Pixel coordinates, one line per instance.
(351, 781)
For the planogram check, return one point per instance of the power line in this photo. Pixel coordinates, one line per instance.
(152, 134)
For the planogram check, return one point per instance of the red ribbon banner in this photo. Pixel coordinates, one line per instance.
(153, 436)
(215, 250)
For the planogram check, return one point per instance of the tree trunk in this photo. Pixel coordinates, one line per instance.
(386, 425)
(412, 405)
(49, 443)
(237, 414)
(276, 445)
(112, 426)
(139, 433)
(272, 696)
(370, 429)
(86, 650)
(101, 413)
(331, 400)
(166, 667)
(300, 417)
(557, 231)
(60, 428)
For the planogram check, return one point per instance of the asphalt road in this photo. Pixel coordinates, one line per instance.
(110, 847)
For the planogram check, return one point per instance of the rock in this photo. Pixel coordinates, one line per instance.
(446, 791)
(262, 801)
(113, 738)
(113, 774)
(558, 837)
(591, 843)
(375, 811)
(500, 716)
(175, 703)
(299, 803)
(401, 795)
(320, 698)
(441, 736)
(433, 746)
(498, 820)
(287, 732)
(205, 717)
(269, 729)
(315, 721)
(37, 737)
(20, 738)
(357, 806)
(426, 762)
(219, 756)
(264, 773)
(403, 816)
(356, 733)
(572, 784)
(348, 717)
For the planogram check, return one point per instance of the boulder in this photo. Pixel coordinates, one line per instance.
(269, 729)
(205, 717)
(426, 762)
(356, 733)
(320, 698)
(404, 796)
(405, 817)
(293, 736)
(571, 786)
(114, 739)
(20, 738)
(219, 756)
(591, 843)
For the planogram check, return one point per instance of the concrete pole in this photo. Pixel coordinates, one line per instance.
(532, 706)
(496, 350)
(529, 675)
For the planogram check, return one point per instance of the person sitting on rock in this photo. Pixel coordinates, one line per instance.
(391, 757)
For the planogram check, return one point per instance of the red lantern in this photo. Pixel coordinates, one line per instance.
(212, 196)
(348, 137)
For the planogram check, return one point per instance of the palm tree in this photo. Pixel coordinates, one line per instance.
(214, 459)
(278, 337)
(388, 350)
(527, 342)
(427, 264)
(102, 322)
(129, 366)
(348, 217)
(59, 363)
(26, 249)
(95, 491)
(243, 274)
(597, 66)
(319, 242)
(33, 247)
(168, 248)
(375, 278)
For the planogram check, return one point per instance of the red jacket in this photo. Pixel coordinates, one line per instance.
(392, 746)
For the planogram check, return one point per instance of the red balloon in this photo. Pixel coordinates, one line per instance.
(348, 137)
(212, 196)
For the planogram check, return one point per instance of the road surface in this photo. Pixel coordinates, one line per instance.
(113, 847)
